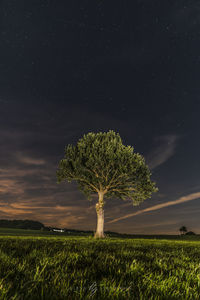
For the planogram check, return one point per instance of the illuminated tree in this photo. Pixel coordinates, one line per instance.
(102, 165)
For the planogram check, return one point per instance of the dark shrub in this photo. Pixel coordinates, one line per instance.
(190, 233)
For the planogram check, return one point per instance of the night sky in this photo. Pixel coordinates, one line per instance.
(71, 67)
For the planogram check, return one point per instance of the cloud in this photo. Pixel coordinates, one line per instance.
(10, 186)
(183, 199)
(164, 149)
(30, 160)
(53, 214)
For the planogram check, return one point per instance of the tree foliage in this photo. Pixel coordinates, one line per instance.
(101, 163)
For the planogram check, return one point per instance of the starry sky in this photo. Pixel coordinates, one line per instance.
(71, 67)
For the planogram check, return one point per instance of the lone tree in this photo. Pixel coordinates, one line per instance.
(183, 230)
(102, 165)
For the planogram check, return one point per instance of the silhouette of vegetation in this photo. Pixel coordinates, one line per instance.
(183, 229)
(21, 224)
(190, 233)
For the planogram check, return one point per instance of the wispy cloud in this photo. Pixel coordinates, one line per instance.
(165, 147)
(10, 186)
(159, 206)
(57, 215)
(30, 160)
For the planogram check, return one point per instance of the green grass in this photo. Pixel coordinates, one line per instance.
(61, 267)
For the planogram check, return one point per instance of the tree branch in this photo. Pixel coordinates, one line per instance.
(107, 187)
(84, 180)
(90, 184)
(123, 189)
(117, 181)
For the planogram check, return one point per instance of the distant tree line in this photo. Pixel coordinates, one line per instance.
(22, 224)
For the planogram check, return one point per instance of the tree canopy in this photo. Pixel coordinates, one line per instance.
(101, 163)
(183, 229)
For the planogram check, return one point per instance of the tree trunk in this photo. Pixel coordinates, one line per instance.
(100, 217)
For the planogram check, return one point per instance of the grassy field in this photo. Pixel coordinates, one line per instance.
(62, 267)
